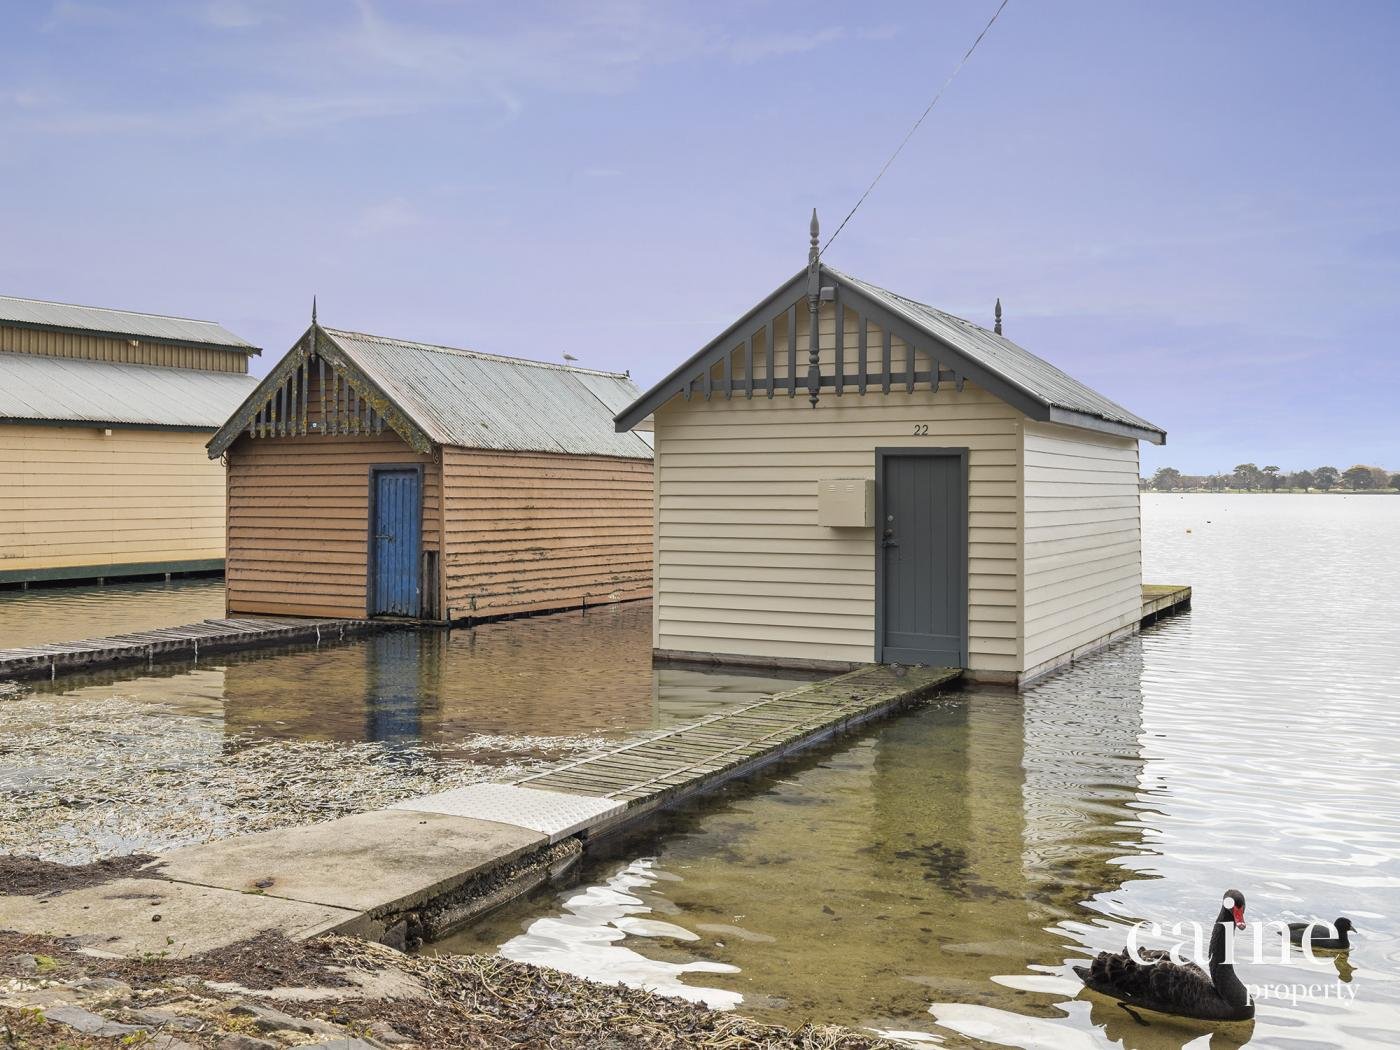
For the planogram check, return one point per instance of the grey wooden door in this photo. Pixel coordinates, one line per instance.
(921, 585)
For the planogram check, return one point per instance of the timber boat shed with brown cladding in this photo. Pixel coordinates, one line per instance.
(377, 477)
(104, 415)
(846, 475)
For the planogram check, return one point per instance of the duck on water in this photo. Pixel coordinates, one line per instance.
(1150, 979)
(1321, 937)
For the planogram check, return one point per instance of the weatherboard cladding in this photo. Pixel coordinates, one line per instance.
(485, 401)
(72, 390)
(38, 313)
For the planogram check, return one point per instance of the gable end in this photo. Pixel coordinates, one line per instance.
(933, 358)
(317, 389)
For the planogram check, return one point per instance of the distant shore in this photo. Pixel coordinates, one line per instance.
(1273, 492)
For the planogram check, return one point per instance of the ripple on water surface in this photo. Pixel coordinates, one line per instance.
(938, 875)
(65, 614)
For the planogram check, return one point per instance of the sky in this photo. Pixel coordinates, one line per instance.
(1192, 207)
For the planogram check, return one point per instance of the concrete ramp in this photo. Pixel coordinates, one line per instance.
(550, 813)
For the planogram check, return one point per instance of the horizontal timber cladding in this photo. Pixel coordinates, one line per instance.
(72, 496)
(121, 351)
(533, 531)
(298, 520)
(1083, 539)
(744, 569)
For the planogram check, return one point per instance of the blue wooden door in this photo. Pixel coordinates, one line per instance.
(396, 527)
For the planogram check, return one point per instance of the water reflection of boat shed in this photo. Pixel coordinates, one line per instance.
(373, 476)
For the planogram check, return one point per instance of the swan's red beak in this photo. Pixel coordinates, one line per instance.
(1239, 918)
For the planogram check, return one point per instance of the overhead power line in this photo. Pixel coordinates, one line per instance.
(927, 110)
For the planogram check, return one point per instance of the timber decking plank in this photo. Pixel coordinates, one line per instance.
(622, 769)
(682, 760)
(601, 777)
(142, 646)
(573, 787)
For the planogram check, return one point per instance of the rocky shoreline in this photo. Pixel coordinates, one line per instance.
(339, 992)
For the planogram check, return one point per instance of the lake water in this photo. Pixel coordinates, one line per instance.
(567, 674)
(937, 875)
(65, 614)
(133, 760)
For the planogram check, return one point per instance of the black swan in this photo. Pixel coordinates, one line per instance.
(1183, 990)
(1320, 936)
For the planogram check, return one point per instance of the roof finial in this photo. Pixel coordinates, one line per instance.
(814, 299)
(313, 311)
(998, 316)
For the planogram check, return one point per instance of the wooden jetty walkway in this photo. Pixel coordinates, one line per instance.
(660, 771)
(1163, 599)
(190, 641)
(430, 864)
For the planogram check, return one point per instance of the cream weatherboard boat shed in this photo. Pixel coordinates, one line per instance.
(845, 475)
(103, 419)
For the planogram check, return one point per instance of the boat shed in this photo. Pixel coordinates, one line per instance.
(378, 477)
(104, 415)
(845, 475)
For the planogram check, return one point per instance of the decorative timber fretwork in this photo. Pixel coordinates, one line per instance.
(756, 366)
(861, 339)
(317, 397)
(317, 390)
(854, 344)
(839, 321)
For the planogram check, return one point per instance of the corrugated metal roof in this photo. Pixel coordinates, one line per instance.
(475, 400)
(1018, 366)
(99, 320)
(616, 397)
(64, 389)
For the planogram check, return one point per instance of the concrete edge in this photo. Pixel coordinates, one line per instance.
(374, 917)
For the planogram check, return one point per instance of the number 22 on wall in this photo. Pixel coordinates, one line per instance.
(920, 429)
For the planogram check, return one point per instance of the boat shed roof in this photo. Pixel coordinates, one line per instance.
(469, 399)
(73, 390)
(118, 324)
(1017, 365)
(987, 358)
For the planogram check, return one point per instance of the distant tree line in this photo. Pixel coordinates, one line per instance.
(1249, 478)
